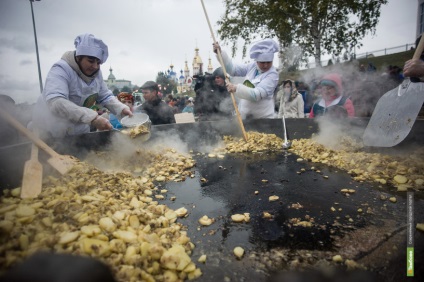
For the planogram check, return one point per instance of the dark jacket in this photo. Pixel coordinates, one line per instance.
(320, 111)
(213, 102)
(158, 111)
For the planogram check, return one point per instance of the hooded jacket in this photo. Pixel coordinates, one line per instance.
(260, 103)
(320, 108)
(292, 105)
(63, 109)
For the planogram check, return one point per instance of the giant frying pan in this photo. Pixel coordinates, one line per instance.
(230, 188)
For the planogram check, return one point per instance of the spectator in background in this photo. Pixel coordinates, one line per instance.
(212, 99)
(173, 104)
(169, 98)
(301, 86)
(395, 74)
(157, 110)
(371, 67)
(181, 103)
(291, 101)
(332, 101)
(189, 107)
(126, 99)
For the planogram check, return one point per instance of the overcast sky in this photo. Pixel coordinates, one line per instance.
(143, 36)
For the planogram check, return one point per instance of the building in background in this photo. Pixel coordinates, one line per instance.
(113, 83)
(185, 79)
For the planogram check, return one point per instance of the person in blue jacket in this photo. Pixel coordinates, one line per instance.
(73, 85)
(127, 99)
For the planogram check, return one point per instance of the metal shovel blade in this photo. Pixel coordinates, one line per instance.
(394, 115)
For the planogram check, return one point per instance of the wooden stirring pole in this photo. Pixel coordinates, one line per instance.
(61, 163)
(225, 74)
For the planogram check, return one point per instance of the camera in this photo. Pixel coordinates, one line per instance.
(201, 80)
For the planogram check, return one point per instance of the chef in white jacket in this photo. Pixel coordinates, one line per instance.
(73, 85)
(261, 78)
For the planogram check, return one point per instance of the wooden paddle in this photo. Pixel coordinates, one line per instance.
(395, 112)
(225, 74)
(60, 162)
(33, 176)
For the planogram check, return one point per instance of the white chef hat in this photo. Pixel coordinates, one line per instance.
(87, 45)
(263, 51)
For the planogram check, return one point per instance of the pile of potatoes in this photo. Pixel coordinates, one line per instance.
(115, 215)
(112, 216)
(256, 142)
(136, 131)
(402, 171)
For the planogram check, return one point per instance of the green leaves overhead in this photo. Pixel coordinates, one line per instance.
(317, 26)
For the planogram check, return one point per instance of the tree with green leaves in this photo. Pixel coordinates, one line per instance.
(126, 89)
(317, 26)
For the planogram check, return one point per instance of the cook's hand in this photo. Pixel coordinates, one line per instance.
(231, 87)
(101, 123)
(127, 112)
(414, 68)
(216, 47)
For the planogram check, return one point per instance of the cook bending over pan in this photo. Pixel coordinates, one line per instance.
(73, 85)
(261, 78)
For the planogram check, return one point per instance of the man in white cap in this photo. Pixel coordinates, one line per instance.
(261, 79)
(73, 85)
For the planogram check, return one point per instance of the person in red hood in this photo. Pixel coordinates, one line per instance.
(332, 101)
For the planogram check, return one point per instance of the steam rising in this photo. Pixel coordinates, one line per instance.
(364, 88)
(182, 139)
(332, 131)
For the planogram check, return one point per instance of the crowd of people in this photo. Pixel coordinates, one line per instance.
(76, 100)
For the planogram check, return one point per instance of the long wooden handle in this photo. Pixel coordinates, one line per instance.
(34, 148)
(37, 141)
(34, 152)
(419, 49)
(221, 61)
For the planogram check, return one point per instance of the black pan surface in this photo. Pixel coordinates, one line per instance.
(375, 237)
